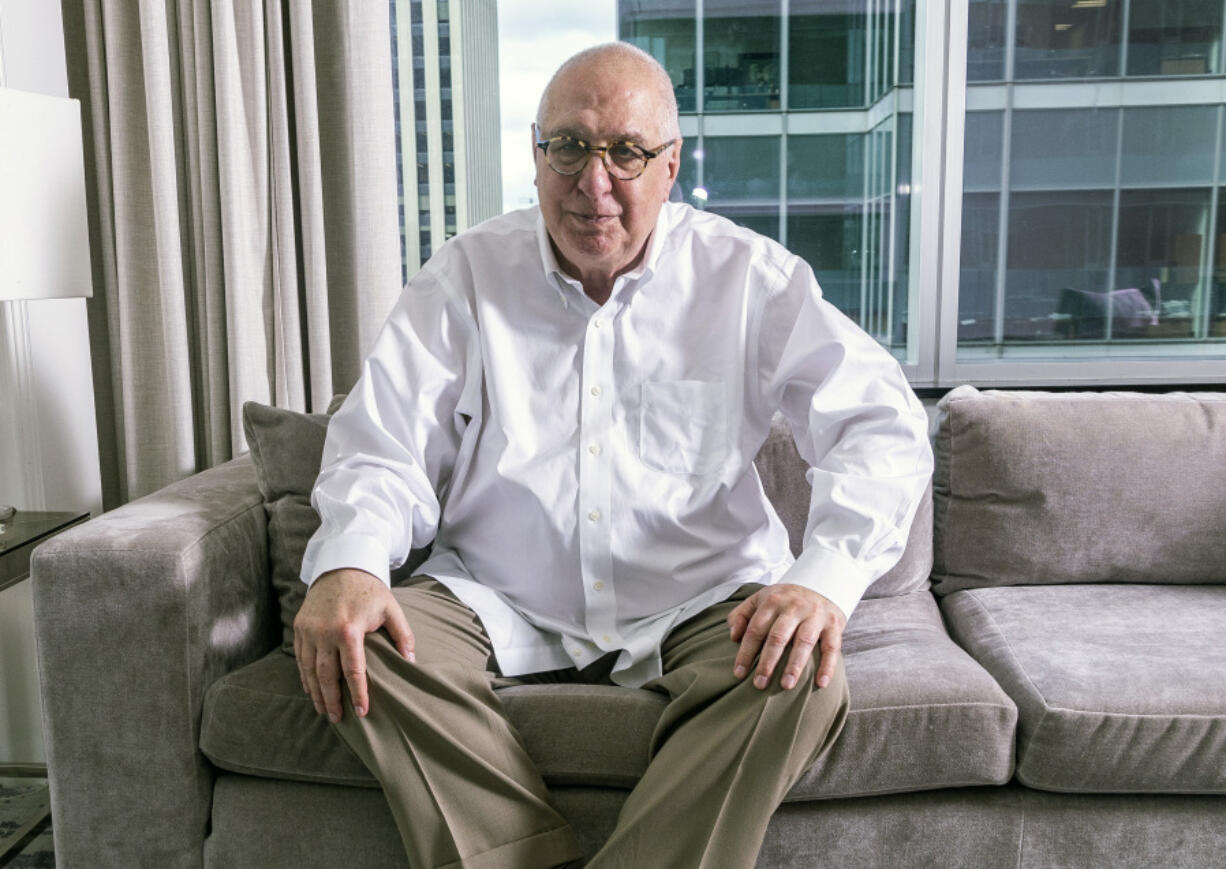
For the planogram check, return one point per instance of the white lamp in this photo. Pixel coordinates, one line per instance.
(44, 229)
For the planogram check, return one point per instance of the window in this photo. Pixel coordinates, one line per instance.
(1000, 191)
(1089, 207)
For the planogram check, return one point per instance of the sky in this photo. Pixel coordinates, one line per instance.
(534, 37)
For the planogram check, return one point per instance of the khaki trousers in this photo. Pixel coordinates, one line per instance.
(465, 794)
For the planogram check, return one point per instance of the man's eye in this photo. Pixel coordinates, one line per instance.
(567, 149)
(623, 153)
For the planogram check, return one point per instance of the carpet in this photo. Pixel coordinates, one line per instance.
(17, 798)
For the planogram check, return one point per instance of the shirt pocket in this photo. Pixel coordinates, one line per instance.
(683, 428)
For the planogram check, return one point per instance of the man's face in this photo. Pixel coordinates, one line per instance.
(600, 225)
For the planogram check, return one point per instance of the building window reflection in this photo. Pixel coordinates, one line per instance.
(741, 62)
(667, 31)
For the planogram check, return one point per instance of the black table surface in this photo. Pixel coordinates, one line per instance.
(23, 532)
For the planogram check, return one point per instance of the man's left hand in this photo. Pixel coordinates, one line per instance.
(767, 621)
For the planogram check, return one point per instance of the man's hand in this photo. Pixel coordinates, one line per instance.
(780, 614)
(340, 609)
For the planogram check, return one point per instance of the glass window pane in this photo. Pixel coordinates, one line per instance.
(667, 31)
(1168, 145)
(1217, 302)
(985, 40)
(1161, 243)
(741, 169)
(1059, 39)
(977, 281)
(982, 151)
(741, 44)
(1059, 248)
(1174, 37)
(826, 166)
(1064, 148)
(825, 55)
(906, 44)
(830, 238)
(688, 174)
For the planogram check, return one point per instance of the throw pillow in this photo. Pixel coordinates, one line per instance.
(286, 448)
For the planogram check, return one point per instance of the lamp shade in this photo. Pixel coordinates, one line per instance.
(44, 230)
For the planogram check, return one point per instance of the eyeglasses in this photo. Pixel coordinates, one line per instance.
(624, 161)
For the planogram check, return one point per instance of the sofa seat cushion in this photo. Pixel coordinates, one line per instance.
(923, 715)
(1119, 688)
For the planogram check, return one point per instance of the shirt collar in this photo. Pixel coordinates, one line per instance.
(563, 283)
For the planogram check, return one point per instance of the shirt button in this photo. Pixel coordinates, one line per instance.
(576, 652)
(595, 390)
(596, 324)
(594, 515)
(594, 449)
(607, 638)
(598, 585)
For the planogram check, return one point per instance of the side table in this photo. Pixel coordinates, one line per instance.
(18, 537)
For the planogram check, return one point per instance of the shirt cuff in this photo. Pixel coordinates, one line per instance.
(358, 551)
(831, 574)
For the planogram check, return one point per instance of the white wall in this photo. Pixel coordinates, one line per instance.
(48, 443)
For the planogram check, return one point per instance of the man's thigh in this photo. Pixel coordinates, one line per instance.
(705, 636)
(444, 629)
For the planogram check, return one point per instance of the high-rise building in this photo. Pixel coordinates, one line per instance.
(1086, 138)
(797, 124)
(445, 83)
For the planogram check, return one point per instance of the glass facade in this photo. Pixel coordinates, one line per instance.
(1090, 205)
(798, 126)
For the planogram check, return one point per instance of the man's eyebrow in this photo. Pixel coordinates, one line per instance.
(575, 133)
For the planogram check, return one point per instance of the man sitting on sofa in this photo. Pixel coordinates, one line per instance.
(566, 401)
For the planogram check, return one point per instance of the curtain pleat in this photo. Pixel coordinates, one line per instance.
(243, 214)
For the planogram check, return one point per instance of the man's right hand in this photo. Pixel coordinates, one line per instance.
(340, 609)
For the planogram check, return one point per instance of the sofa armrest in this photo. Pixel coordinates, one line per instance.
(136, 613)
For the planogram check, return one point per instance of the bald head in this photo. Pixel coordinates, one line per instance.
(618, 61)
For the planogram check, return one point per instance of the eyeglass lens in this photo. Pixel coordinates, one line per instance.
(569, 157)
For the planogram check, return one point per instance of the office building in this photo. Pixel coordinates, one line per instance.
(445, 80)
(1089, 141)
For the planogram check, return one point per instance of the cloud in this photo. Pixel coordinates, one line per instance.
(534, 37)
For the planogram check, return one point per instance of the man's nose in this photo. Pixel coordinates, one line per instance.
(594, 180)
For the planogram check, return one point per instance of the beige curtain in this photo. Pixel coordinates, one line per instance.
(244, 228)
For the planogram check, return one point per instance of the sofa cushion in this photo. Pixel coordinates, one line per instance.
(1034, 487)
(1119, 688)
(287, 449)
(785, 481)
(923, 715)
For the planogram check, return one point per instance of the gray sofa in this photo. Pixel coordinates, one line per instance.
(1055, 696)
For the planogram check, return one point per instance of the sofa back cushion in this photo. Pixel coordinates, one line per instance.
(287, 449)
(1050, 488)
(785, 480)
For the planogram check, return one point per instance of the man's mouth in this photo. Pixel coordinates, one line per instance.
(594, 219)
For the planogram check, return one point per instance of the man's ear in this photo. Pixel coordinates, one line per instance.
(674, 166)
(532, 129)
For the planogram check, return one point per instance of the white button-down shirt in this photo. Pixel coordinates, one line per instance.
(585, 471)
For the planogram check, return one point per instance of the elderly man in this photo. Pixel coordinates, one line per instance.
(567, 401)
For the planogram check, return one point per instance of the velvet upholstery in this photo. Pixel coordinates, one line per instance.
(1119, 688)
(181, 579)
(287, 449)
(260, 822)
(1054, 488)
(910, 686)
(785, 481)
(130, 635)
